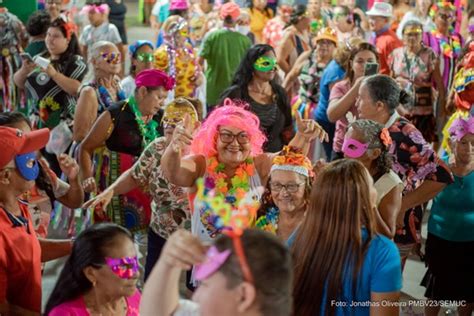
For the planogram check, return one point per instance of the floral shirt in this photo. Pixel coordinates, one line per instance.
(170, 207)
(414, 160)
(273, 32)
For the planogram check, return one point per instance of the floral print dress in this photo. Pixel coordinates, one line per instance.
(415, 73)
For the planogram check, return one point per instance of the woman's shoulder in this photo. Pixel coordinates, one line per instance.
(74, 307)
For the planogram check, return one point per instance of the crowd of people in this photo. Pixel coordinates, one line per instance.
(257, 158)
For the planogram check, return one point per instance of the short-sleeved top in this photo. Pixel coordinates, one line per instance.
(416, 69)
(161, 10)
(35, 48)
(309, 79)
(273, 32)
(20, 261)
(51, 104)
(126, 137)
(339, 90)
(258, 20)
(381, 272)
(170, 206)
(452, 213)
(414, 160)
(331, 74)
(274, 118)
(386, 43)
(104, 32)
(77, 307)
(223, 50)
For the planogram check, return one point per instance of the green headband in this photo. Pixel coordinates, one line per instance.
(265, 64)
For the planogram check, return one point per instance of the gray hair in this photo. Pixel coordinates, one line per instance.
(97, 48)
(386, 90)
(371, 132)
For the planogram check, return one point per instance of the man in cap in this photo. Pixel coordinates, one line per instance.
(383, 37)
(21, 252)
(223, 50)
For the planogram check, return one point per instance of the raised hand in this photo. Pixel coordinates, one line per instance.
(309, 129)
(183, 250)
(68, 166)
(182, 135)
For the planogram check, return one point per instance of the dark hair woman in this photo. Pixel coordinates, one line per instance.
(338, 255)
(344, 93)
(100, 276)
(52, 88)
(420, 169)
(254, 83)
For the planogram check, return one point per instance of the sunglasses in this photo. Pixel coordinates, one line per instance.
(227, 137)
(145, 57)
(111, 58)
(445, 16)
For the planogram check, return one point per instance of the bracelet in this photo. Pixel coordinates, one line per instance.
(88, 180)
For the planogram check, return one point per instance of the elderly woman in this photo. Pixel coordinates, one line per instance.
(52, 87)
(177, 57)
(102, 91)
(420, 13)
(254, 83)
(416, 67)
(450, 242)
(355, 263)
(141, 58)
(369, 142)
(126, 128)
(286, 198)
(100, 276)
(420, 169)
(170, 208)
(227, 153)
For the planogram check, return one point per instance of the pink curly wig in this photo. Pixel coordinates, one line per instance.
(230, 114)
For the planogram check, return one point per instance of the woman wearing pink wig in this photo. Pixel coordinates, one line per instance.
(227, 153)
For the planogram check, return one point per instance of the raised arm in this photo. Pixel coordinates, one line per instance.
(339, 107)
(296, 70)
(282, 53)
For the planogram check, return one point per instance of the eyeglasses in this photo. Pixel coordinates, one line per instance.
(242, 137)
(290, 187)
(145, 57)
(111, 58)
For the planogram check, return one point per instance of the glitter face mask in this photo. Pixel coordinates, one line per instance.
(353, 148)
(124, 268)
(265, 64)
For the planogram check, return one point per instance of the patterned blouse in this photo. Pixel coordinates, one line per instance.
(170, 207)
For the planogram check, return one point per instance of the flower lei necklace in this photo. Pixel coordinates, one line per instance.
(269, 221)
(449, 50)
(215, 181)
(148, 131)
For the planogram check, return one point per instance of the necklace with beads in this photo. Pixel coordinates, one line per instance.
(147, 130)
(450, 45)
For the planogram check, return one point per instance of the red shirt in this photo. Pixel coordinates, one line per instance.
(386, 43)
(20, 262)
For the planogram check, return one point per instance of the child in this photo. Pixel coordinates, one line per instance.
(99, 30)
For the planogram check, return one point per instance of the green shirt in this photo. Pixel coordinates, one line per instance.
(35, 48)
(223, 50)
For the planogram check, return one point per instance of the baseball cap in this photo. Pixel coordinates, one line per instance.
(15, 142)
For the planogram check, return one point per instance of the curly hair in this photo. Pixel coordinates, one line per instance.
(38, 23)
(204, 141)
(371, 132)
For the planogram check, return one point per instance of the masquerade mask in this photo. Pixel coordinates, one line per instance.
(471, 28)
(265, 64)
(184, 32)
(412, 30)
(461, 127)
(111, 58)
(145, 57)
(175, 113)
(27, 165)
(214, 261)
(124, 268)
(353, 148)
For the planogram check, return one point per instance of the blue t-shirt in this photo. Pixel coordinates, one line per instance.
(381, 273)
(331, 74)
(452, 213)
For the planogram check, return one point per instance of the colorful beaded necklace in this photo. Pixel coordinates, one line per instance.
(269, 221)
(448, 50)
(147, 130)
(216, 182)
